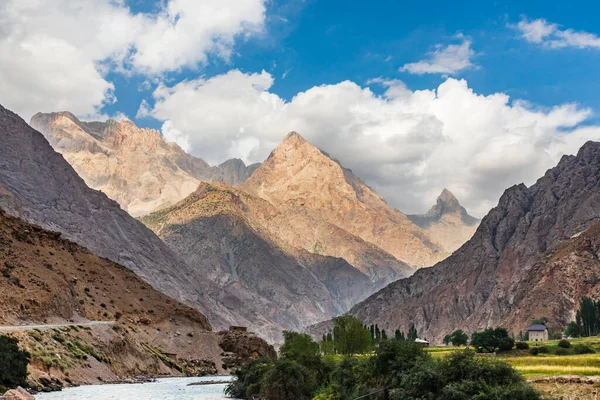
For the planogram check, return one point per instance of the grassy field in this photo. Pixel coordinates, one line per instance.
(546, 364)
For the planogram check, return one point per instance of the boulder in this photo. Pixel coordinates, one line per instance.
(18, 394)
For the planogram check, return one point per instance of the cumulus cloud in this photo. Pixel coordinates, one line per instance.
(447, 60)
(407, 144)
(550, 35)
(55, 55)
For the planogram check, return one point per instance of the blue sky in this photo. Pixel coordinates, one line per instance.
(474, 96)
(326, 42)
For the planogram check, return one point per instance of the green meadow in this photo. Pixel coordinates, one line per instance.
(550, 364)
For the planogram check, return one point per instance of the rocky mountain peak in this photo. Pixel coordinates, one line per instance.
(307, 180)
(448, 222)
(448, 201)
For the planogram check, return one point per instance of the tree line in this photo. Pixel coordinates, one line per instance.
(398, 369)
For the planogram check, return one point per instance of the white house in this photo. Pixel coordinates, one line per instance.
(537, 332)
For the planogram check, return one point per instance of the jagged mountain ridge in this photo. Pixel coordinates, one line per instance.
(490, 280)
(133, 166)
(447, 222)
(306, 181)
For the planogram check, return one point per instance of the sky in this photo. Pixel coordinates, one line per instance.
(414, 97)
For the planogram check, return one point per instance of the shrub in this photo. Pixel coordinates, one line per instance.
(534, 351)
(13, 363)
(565, 344)
(543, 349)
(288, 380)
(522, 345)
(561, 351)
(583, 349)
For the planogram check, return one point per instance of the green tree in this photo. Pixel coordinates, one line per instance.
(13, 363)
(459, 338)
(288, 380)
(349, 336)
(383, 335)
(247, 379)
(412, 333)
(492, 340)
(447, 339)
(298, 346)
(399, 335)
(573, 330)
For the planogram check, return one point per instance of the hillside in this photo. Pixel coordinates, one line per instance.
(49, 280)
(135, 167)
(222, 230)
(525, 261)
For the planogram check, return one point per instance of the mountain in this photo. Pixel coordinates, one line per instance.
(535, 254)
(49, 280)
(135, 167)
(310, 185)
(447, 222)
(218, 228)
(39, 186)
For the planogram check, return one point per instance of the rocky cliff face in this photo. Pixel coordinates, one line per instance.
(39, 186)
(511, 270)
(135, 167)
(447, 222)
(307, 183)
(224, 231)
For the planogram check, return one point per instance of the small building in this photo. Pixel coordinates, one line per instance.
(422, 342)
(537, 332)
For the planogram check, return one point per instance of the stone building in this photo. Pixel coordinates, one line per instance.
(537, 332)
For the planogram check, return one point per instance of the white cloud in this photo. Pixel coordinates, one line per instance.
(550, 35)
(55, 55)
(408, 145)
(447, 60)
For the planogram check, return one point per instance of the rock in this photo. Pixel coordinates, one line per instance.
(240, 347)
(18, 394)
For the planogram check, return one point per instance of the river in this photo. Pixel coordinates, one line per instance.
(162, 389)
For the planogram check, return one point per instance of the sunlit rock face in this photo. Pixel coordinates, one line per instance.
(135, 167)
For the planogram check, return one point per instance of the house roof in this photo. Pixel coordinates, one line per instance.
(537, 328)
(417, 340)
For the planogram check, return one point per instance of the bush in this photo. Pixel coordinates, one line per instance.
(583, 349)
(543, 349)
(506, 344)
(534, 351)
(288, 380)
(522, 345)
(561, 351)
(13, 363)
(565, 344)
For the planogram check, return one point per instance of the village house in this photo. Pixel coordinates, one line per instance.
(537, 332)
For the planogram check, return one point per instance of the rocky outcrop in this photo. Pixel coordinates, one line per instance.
(240, 346)
(447, 222)
(522, 263)
(135, 167)
(18, 394)
(310, 186)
